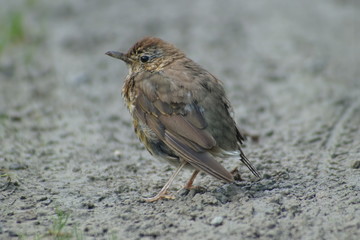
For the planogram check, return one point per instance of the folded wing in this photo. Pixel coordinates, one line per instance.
(183, 129)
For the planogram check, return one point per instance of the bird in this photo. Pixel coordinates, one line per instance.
(180, 112)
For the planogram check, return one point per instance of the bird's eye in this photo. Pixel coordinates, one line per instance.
(144, 58)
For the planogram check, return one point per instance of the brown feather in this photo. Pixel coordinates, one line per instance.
(195, 117)
(146, 105)
(200, 160)
(164, 108)
(177, 124)
(181, 135)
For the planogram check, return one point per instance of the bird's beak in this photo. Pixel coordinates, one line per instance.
(119, 55)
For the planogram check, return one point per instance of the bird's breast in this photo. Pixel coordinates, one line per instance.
(129, 93)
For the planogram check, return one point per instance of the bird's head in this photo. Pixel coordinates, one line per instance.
(148, 54)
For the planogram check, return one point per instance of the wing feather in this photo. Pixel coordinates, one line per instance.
(183, 132)
(200, 160)
(179, 125)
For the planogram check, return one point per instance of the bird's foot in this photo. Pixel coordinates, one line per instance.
(192, 187)
(159, 196)
(192, 191)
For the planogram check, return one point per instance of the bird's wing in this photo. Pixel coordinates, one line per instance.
(182, 127)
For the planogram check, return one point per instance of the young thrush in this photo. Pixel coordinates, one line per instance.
(180, 111)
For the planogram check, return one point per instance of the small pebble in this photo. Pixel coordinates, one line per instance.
(356, 165)
(117, 155)
(217, 221)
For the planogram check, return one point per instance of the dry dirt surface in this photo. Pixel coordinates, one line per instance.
(72, 168)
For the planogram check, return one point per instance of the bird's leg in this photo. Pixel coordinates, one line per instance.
(189, 184)
(163, 192)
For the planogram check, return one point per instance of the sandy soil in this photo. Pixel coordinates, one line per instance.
(72, 168)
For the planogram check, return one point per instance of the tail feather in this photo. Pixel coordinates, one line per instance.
(248, 164)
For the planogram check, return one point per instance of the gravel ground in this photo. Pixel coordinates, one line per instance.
(72, 168)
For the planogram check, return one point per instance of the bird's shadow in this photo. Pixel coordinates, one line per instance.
(250, 189)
